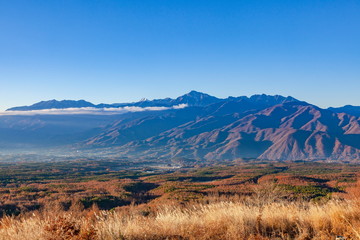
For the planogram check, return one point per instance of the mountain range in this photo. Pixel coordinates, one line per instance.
(208, 128)
(192, 98)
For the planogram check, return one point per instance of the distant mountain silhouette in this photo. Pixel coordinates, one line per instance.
(192, 98)
(54, 104)
(210, 128)
(352, 110)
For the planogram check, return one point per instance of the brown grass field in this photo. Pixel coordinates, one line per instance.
(233, 201)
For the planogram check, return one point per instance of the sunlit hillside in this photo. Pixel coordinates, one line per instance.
(259, 217)
(260, 201)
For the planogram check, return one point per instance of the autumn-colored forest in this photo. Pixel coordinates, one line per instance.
(238, 200)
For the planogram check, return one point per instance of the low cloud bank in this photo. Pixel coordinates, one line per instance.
(89, 110)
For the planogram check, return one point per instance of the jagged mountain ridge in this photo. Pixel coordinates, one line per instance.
(120, 133)
(192, 98)
(289, 131)
(210, 128)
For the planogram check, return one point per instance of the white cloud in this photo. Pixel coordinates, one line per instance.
(180, 106)
(89, 110)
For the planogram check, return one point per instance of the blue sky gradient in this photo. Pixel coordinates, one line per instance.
(118, 51)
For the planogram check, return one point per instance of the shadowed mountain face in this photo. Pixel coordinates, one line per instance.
(260, 126)
(53, 104)
(352, 110)
(289, 131)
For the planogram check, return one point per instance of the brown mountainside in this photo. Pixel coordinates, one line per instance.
(288, 131)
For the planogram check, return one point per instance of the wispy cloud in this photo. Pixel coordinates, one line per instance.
(89, 110)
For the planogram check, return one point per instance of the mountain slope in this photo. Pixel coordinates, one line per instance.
(216, 114)
(289, 131)
(352, 110)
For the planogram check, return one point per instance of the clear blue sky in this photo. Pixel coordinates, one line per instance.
(116, 50)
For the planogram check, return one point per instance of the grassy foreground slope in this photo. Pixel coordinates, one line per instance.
(90, 200)
(252, 219)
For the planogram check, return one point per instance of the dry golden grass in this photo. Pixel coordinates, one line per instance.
(246, 219)
(265, 212)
